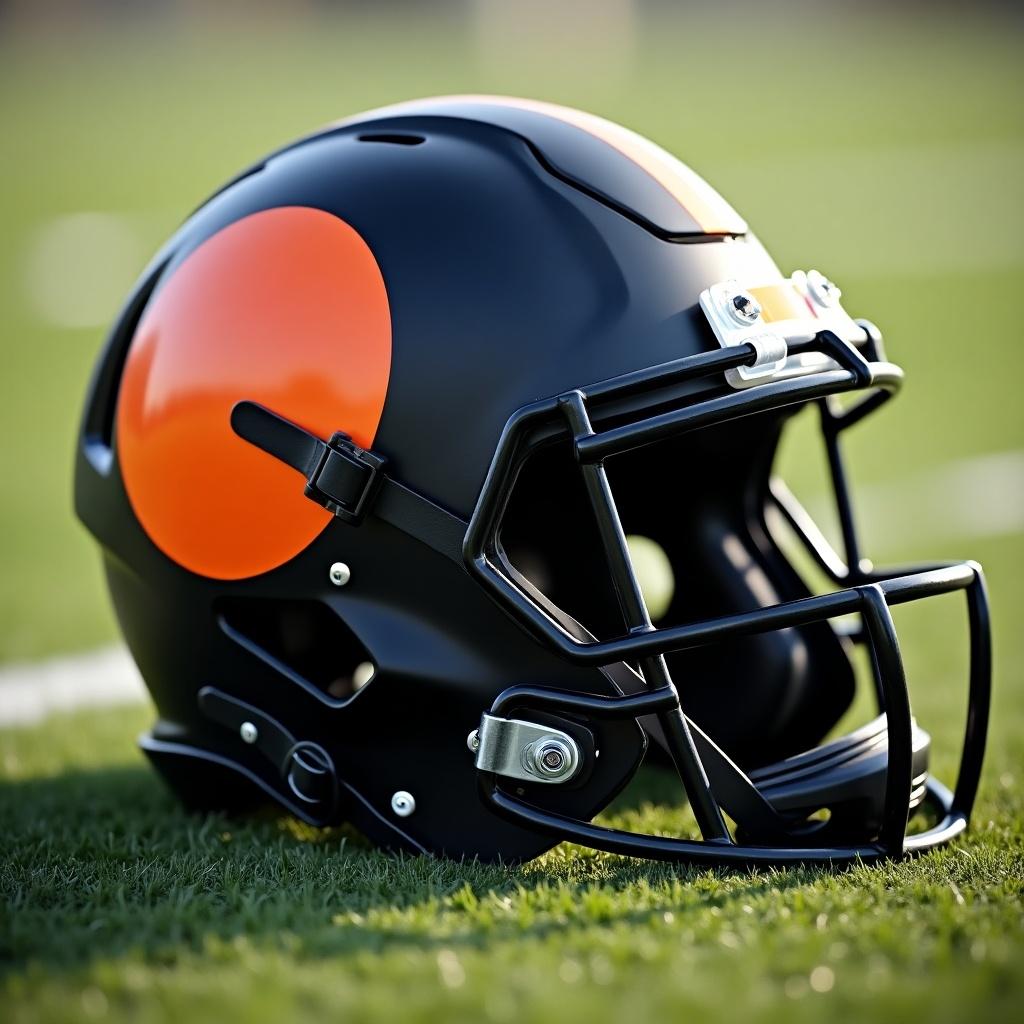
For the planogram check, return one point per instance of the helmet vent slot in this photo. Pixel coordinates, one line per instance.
(304, 640)
(98, 426)
(393, 138)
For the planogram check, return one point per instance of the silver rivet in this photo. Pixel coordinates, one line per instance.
(340, 574)
(743, 307)
(822, 290)
(473, 740)
(248, 732)
(552, 758)
(403, 803)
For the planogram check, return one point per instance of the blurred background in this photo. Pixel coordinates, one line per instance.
(882, 143)
(879, 141)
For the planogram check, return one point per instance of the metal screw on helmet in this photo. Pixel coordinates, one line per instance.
(340, 574)
(473, 740)
(822, 290)
(744, 308)
(403, 803)
(551, 758)
(248, 732)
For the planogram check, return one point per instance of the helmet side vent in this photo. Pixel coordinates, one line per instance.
(393, 138)
(98, 419)
(302, 640)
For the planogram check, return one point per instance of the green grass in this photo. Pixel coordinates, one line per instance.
(118, 905)
(117, 901)
(890, 154)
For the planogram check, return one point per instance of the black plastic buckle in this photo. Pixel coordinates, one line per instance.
(345, 478)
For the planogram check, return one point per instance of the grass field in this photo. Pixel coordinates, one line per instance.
(890, 155)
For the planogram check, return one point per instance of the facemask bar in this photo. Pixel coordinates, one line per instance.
(644, 407)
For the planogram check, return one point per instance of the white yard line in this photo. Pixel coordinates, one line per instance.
(29, 692)
(977, 497)
(79, 266)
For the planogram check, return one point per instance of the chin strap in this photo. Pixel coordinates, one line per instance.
(347, 480)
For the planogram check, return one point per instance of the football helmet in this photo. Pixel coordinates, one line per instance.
(366, 455)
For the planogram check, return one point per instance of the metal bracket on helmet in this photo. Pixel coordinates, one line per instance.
(774, 318)
(524, 750)
(735, 317)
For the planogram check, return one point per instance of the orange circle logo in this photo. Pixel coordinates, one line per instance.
(286, 308)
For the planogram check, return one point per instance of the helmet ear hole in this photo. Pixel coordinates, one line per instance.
(305, 640)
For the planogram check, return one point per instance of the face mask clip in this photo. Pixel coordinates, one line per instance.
(779, 320)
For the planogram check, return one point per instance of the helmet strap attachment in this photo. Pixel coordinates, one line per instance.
(347, 480)
(308, 780)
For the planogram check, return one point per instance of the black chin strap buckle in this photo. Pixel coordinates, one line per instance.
(345, 479)
(340, 475)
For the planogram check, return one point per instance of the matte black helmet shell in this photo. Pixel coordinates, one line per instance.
(349, 454)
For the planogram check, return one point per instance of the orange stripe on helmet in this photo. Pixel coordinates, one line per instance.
(714, 215)
(782, 301)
